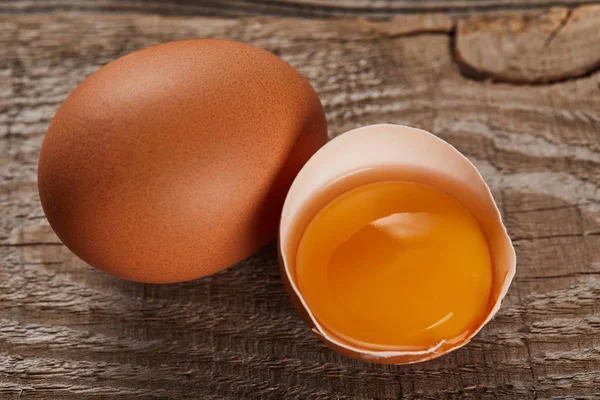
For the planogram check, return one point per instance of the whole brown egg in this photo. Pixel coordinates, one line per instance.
(173, 162)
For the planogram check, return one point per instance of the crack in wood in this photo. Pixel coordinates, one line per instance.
(283, 8)
(557, 30)
(566, 235)
(479, 50)
(31, 244)
(559, 276)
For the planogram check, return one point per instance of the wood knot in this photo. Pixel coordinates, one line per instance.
(538, 48)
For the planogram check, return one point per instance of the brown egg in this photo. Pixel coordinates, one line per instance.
(173, 162)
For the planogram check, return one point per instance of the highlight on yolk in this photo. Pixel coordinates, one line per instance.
(395, 263)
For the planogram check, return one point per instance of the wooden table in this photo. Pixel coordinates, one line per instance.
(517, 92)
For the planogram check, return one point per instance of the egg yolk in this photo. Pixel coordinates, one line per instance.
(397, 264)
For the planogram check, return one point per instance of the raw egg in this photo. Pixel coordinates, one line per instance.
(173, 162)
(392, 246)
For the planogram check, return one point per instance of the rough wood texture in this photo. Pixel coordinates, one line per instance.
(290, 8)
(68, 331)
(551, 46)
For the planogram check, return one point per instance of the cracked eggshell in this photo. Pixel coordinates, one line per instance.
(390, 152)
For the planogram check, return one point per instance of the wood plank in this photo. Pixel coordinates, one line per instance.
(68, 331)
(286, 8)
(531, 48)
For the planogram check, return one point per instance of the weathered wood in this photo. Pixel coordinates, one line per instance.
(68, 331)
(531, 48)
(289, 8)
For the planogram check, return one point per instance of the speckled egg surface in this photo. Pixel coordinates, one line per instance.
(173, 162)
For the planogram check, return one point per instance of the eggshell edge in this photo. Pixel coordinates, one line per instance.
(403, 134)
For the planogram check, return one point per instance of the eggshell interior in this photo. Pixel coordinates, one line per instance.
(390, 152)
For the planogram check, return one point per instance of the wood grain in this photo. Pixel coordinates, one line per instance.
(531, 48)
(68, 331)
(288, 8)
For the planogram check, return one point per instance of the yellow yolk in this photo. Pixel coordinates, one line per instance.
(395, 264)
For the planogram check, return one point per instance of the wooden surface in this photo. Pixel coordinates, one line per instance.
(68, 331)
(289, 8)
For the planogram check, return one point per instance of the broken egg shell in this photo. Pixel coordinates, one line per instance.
(390, 152)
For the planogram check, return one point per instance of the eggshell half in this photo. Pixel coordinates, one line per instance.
(173, 162)
(390, 152)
